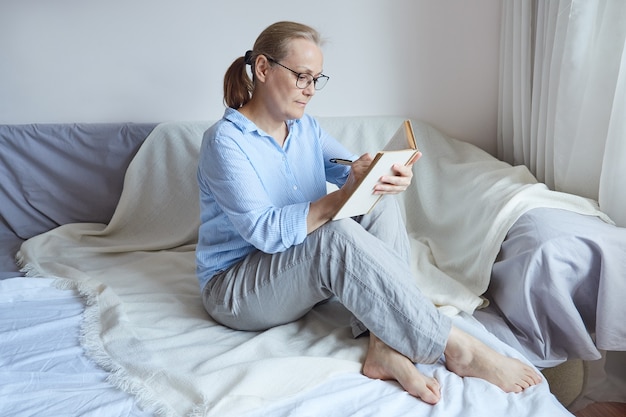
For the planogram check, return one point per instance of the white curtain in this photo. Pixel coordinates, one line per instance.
(562, 104)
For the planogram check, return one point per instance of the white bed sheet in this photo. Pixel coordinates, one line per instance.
(43, 371)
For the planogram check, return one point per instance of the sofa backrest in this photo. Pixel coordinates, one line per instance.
(53, 174)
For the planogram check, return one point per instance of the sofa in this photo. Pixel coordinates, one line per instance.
(61, 182)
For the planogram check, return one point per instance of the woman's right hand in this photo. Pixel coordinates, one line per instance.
(322, 210)
(358, 170)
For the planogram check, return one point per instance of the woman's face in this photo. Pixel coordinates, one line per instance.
(285, 99)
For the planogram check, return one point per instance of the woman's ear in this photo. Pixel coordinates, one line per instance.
(261, 67)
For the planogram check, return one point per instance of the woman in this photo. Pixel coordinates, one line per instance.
(267, 250)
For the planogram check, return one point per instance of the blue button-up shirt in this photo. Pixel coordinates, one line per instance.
(255, 195)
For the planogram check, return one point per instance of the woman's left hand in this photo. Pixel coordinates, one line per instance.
(395, 184)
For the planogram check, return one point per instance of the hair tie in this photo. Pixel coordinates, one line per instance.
(248, 58)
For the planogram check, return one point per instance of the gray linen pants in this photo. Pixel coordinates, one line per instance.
(361, 261)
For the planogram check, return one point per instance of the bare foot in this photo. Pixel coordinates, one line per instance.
(468, 356)
(383, 362)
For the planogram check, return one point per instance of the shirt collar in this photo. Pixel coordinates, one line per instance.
(246, 125)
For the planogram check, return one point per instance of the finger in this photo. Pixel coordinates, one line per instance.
(417, 156)
(403, 170)
(388, 188)
(398, 180)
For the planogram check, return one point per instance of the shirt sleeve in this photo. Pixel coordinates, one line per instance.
(336, 174)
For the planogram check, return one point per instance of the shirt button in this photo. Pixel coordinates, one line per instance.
(295, 187)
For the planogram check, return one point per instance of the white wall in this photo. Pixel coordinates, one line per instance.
(157, 60)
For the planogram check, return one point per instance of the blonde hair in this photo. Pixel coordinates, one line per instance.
(273, 42)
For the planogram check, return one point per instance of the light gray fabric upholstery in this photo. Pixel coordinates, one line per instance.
(53, 174)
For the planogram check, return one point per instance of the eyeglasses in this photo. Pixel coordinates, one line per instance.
(304, 80)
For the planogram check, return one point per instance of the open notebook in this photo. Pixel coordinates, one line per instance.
(401, 149)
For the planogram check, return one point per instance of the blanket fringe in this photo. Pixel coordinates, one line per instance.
(200, 410)
(92, 345)
(28, 269)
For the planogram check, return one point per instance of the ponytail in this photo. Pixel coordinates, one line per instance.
(237, 84)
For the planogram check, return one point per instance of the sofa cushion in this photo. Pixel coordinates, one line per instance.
(53, 174)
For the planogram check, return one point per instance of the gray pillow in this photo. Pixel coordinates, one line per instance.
(53, 174)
